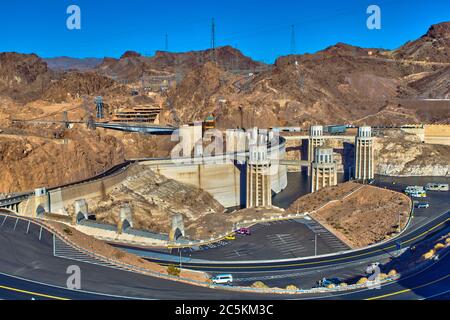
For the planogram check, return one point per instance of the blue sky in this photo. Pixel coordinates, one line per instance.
(260, 28)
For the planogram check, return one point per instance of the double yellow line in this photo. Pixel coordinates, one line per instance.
(164, 263)
(31, 293)
(408, 290)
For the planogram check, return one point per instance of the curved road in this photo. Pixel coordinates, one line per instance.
(24, 258)
(28, 255)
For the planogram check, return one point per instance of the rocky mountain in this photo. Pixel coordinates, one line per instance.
(23, 76)
(26, 78)
(434, 85)
(341, 84)
(434, 46)
(68, 63)
(132, 66)
(73, 85)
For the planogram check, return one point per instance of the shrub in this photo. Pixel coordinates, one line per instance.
(68, 231)
(430, 254)
(292, 287)
(362, 281)
(392, 273)
(119, 254)
(260, 285)
(173, 271)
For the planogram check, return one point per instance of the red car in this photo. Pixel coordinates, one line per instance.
(244, 231)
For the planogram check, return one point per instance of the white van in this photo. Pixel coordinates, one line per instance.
(437, 187)
(413, 189)
(222, 279)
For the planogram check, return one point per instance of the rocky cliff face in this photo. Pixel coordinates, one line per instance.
(74, 85)
(434, 46)
(23, 77)
(30, 162)
(397, 156)
(155, 199)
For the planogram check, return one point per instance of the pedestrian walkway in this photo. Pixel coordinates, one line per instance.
(329, 238)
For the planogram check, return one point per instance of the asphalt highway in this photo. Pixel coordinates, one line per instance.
(106, 283)
(30, 270)
(409, 238)
(304, 272)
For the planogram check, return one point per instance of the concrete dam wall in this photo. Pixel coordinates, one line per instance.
(226, 182)
(221, 176)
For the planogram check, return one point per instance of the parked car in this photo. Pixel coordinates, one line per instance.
(222, 279)
(422, 205)
(231, 237)
(419, 194)
(244, 231)
(326, 282)
(413, 189)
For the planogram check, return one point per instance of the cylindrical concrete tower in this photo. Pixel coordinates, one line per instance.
(364, 157)
(323, 169)
(259, 190)
(315, 140)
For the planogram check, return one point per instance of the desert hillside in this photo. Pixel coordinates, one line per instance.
(340, 84)
(383, 210)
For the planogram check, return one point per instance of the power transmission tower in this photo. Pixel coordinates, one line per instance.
(293, 46)
(99, 105)
(213, 39)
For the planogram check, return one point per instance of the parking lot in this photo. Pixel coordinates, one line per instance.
(439, 202)
(272, 240)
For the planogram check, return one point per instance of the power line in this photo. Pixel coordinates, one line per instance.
(213, 39)
(213, 35)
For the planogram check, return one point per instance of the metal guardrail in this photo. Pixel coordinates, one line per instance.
(146, 234)
(98, 225)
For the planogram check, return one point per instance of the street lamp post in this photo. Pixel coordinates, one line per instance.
(315, 244)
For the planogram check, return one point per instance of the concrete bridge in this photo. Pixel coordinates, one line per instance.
(125, 127)
(13, 203)
(326, 137)
(139, 128)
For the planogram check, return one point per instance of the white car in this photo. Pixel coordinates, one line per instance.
(222, 279)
